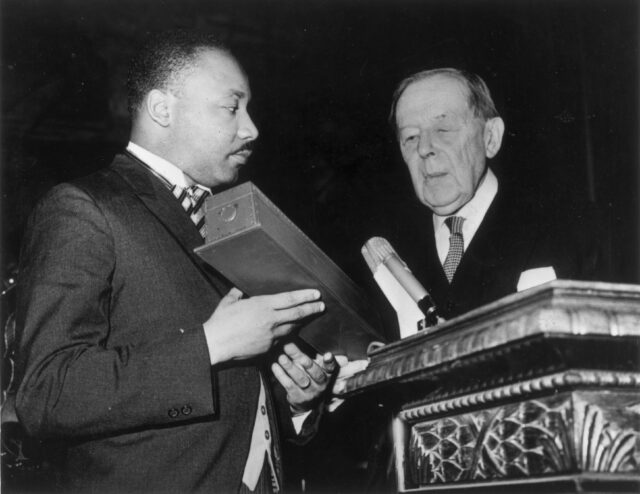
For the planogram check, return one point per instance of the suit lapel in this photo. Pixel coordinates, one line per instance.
(161, 203)
(497, 253)
(159, 200)
(482, 254)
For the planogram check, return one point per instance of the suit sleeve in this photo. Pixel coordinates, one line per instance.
(73, 383)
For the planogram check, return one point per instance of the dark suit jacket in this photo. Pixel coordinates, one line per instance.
(112, 352)
(513, 237)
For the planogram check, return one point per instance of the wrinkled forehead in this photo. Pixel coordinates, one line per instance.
(435, 95)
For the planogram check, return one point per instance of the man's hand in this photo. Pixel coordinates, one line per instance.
(243, 328)
(305, 380)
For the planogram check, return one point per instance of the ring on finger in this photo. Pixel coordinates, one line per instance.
(306, 385)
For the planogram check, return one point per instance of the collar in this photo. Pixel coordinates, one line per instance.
(168, 171)
(473, 211)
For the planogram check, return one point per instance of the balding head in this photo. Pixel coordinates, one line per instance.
(479, 96)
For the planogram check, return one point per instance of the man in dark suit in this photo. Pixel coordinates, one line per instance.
(138, 361)
(475, 241)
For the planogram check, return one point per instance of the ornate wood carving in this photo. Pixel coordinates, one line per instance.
(555, 434)
(539, 390)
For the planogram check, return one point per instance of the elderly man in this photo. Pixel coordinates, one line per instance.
(478, 241)
(142, 364)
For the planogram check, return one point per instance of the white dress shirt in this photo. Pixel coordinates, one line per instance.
(473, 213)
(170, 172)
(262, 435)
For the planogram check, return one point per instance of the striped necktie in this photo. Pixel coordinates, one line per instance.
(456, 246)
(192, 199)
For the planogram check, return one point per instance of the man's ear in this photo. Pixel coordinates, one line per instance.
(493, 131)
(157, 107)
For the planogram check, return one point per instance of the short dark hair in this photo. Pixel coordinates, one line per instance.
(163, 60)
(480, 100)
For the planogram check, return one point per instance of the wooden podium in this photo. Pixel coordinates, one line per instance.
(536, 392)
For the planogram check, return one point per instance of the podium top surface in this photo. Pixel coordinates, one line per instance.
(561, 309)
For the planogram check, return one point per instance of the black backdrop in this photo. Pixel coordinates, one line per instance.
(564, 74)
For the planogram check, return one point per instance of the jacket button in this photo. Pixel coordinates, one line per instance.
(173, 413)
(186, 410)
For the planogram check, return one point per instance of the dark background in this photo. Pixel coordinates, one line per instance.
(564, 75)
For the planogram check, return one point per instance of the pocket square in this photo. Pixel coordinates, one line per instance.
(535, 277)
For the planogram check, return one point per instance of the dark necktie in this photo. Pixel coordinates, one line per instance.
(456, 246)
(192, 199)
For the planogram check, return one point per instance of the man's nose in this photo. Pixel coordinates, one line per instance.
(247, 130)
(425, 145)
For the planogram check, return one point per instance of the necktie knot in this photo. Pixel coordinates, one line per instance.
(454, 224)
(197, 195)
(192, 199)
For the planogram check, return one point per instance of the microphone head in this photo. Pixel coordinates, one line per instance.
(375, 251)
(369, 259)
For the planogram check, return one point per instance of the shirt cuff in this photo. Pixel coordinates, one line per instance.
(298, 421)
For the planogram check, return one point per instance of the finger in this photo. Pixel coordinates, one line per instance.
(324, 366)
(317, 373)
(297, 313)
(329, 363)
(286, 300)
(285, 379)
(282, 377)
(297, 374)
(293, 351)
(301, 359)
(233, 296)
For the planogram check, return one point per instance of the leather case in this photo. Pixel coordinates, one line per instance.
(256, 247)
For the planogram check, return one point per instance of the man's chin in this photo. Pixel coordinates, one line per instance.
(222, 181)
(444, 208)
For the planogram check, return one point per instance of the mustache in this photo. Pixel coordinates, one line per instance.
(247, 146)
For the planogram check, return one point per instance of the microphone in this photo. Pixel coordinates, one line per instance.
(377, 252)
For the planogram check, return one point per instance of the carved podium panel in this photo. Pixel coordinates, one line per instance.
(537, 392)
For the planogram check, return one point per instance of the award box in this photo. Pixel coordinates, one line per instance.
(256, 247)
